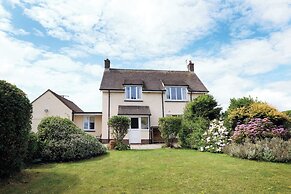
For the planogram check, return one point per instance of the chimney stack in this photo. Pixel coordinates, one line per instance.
(190, 66)
(107, 63)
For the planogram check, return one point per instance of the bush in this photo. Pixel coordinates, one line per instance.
(258, 128)
(258, 110)
(15, 119)
(191, 135)
(215, 138)
(62, 140)
(169, 128)
(120, 125)
(273, 150)
(33, 148)
(56, 128)
(122, 146)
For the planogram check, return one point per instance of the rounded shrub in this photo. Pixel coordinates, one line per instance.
(15, 119)
(62, 140)
(33, 148)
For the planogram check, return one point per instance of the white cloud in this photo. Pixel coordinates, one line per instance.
(233, 71)
(35, 70)
(126, 29)
(251, 15)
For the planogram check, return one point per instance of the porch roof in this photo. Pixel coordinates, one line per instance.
(133, 110)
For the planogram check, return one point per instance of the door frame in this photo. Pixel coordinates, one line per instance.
(139, 130)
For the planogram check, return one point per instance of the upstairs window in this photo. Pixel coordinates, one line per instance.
(176, 93)
(89, 123)
(132, 92)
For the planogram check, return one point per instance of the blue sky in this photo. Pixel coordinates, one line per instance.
(239, 48)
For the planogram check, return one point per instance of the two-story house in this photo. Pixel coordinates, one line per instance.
(145, 96)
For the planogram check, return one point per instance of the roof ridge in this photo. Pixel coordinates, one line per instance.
(148, 70)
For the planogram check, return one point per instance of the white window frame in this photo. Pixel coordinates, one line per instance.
(183, 93)
(138, 92)
(139, 121)
(88, 119)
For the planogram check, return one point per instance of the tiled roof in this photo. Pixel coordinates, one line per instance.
(151, 80)
(71, 105)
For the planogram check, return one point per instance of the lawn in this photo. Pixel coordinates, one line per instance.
(154, 171)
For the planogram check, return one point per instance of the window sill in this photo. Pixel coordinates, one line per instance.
(176, 101)
(86, 130)
(128, 100)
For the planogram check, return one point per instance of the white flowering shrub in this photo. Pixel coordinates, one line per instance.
(215, 138)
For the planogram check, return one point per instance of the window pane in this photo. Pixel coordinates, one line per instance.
(183, 93)
(133, 92)
(127, 92)
(173, 94)
(86, 123)
(138, 92)
(179, 94)
(168, 93)
(144, 122)
(92, 123)
(134, 123)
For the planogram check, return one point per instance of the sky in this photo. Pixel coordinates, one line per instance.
(239, 48)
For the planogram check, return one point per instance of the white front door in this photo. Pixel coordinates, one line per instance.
(134, 131)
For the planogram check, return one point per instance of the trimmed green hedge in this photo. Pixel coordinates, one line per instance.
(15, 119)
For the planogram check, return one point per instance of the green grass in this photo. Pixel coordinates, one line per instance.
(154, 171)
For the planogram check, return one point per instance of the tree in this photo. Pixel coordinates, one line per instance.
(120, 125)
(197, 116)
(204, 106)
(15, 120)
(169, 128)
(236, 103)
(287, 112)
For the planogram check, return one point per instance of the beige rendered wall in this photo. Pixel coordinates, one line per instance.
(151, 99)
(53, 104)
(79, 119)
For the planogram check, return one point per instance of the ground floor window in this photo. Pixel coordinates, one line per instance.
(89, 123)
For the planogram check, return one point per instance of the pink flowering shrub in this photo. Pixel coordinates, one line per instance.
(258, 128)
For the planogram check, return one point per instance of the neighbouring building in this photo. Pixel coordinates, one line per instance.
(53, 104)
(142, 95)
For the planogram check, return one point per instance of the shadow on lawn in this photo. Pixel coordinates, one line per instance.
(39, 182)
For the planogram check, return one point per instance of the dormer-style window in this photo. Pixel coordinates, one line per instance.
(176, 93)
(133, 92)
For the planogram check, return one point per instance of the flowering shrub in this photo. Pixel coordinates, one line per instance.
(258, 128)
(215, 138)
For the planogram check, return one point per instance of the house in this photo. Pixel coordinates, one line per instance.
(53, 104)
(144, 96)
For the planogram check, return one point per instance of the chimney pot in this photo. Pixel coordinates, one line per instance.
(107, 63)
(190, 66)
